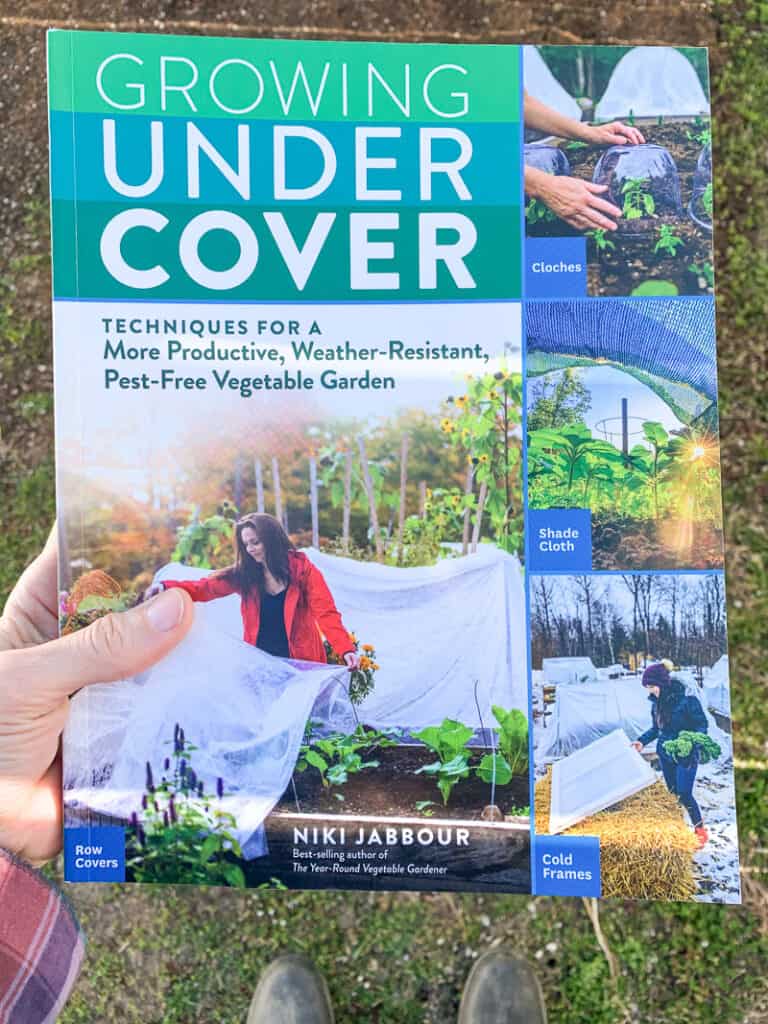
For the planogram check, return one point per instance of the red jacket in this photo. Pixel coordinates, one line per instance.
(310, 613)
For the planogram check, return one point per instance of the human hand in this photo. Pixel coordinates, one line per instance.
(38, 674)
(352, 660)
(637, 746)
(613, 134)
(578, 202)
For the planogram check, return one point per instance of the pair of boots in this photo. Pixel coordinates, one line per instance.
(499, 990)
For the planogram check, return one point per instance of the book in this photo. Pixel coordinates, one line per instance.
(399, 361)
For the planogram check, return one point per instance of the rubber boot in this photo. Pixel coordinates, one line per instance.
(702, 835)
(291, 991)
(501, 989)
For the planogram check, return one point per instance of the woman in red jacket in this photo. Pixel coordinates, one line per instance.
(285, 603)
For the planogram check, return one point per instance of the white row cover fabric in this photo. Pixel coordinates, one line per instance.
(717, 692)
(569, 670)
(595, 777)
(542, 84)
(438, 630)
(583, 713)
(651, 81)
(245, 711)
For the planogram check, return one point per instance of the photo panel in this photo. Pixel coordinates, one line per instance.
(618, 171)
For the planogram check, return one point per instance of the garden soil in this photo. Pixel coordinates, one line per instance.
(393, 790)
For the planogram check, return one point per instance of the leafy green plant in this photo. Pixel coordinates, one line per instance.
(638, 201)
(702, 133)
(573, 144)
(494, 768)
(513, 738)
(202, 542)
(537, 212)
(602, 243)
(687, 742)
(484, 429)
(667, 241)
(449, 741)
(181, 834)
(338, 756)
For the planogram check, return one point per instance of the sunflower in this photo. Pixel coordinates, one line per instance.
(446, 426)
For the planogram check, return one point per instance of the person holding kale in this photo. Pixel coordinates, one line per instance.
(673, 711)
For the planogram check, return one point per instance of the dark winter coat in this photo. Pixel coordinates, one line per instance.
(682, 712)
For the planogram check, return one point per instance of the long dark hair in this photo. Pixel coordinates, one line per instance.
(248, 574)
(667, 701)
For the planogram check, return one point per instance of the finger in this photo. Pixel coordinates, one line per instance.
(596, 219)
(604, 206)
(30, 615)
(596, 189)
(114, 647)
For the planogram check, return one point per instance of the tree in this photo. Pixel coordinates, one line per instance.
(558, 401)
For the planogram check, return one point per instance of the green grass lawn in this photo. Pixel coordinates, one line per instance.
(170, 955)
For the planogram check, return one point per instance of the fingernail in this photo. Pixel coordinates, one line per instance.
(165, 611)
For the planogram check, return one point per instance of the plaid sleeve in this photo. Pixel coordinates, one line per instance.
(41, 945)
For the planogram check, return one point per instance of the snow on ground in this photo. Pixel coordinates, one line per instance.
(717, 864)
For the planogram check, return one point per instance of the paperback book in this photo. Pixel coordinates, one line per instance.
(398, 360)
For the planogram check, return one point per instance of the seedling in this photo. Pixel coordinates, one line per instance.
(660, 121)
(638, 201)
(513, 738)
(536, 212)
(668, 241)
(602, 243)
(705, 272)
(631, 118)
(576, 144)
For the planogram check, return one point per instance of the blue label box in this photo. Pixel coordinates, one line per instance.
(566, 866)
(560, 539)
(94, 854)
(555, 268)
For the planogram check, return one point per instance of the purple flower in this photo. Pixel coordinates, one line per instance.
(191, 778)
(182, 767)
(157, 806)
(220, 787)
(144, 802)
(172, 811)
(199, 789)
(167, 764)
(165, 818)
(150, 778)
(134, 820)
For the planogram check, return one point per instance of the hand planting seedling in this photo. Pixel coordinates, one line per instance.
(181, 834)
(668, 241)
(449, 741)
(689, 742)
(638, 201)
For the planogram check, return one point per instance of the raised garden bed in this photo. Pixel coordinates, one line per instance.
(393, 789)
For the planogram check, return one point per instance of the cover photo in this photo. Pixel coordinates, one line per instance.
(453, 539)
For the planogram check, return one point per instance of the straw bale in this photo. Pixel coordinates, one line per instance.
(646, 848)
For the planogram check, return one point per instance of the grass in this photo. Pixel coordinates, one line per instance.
(169, 955)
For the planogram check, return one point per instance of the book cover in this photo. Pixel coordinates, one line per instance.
(399, 360)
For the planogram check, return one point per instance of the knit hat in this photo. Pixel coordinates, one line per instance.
(656, 675)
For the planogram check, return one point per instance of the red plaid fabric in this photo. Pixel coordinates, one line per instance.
(41, 945)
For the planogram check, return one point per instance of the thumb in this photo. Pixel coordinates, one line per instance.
(116, 646)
